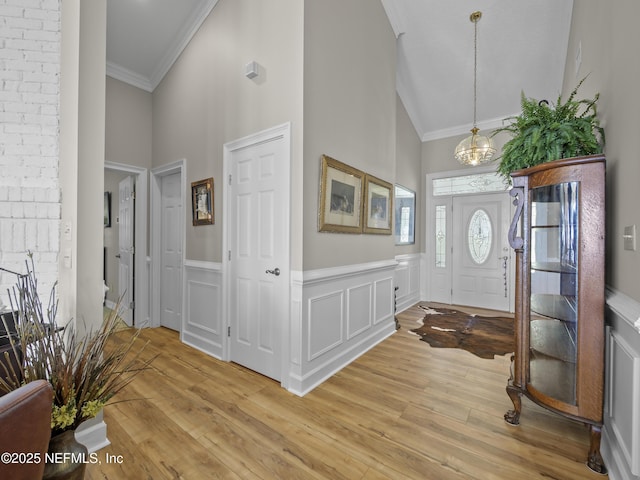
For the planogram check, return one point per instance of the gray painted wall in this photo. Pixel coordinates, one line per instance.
(609, 37)
(205, 101)
(349, 114)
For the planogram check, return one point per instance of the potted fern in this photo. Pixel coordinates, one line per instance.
(544, 132)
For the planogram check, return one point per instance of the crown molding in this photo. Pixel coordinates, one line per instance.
(490, 124)
(127, 76)
(182, 40)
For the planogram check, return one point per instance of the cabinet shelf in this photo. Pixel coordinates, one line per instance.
(554, 338)
(554, 267)
(560, 307)
(548, 370)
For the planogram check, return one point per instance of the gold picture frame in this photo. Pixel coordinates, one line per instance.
(340, 208)
(378, 206)
(202, 202)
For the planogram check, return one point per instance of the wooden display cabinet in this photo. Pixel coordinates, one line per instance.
(558, 233)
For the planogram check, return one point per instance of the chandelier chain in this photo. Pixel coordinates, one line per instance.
(475, 149)
(475, 69)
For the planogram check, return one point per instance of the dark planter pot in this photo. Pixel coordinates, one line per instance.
(66, 458)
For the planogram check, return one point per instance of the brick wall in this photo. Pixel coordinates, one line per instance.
(29, 133)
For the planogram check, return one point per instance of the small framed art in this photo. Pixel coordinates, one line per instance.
(202, 202)
(378, 205)
(340, 197)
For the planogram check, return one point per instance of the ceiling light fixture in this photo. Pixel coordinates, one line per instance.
(475, 149)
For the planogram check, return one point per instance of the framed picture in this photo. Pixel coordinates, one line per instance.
(202, 202)
(404, 201)
(340, 197)
(378, 205)
(107, 209)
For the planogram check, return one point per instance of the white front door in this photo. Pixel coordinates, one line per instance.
(171, 251)
(258, 258)
(480, 253)
(126, 209)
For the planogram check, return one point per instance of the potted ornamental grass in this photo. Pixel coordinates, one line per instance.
(544, 132)
(85, 371)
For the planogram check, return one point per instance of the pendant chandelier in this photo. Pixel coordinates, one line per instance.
(475, 149)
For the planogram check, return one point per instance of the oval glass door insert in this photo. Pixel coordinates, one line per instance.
(479, 236)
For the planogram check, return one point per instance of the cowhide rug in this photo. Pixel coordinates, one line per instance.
(480, 335)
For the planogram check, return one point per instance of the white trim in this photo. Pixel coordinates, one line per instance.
(183, 38)
(191, 27)
(127, 76)
(92, 433)
(202, 265)
(317, 297)
(179, 166)
(303, 384)
(141, 281)
(621, 432)
(335, 273)
(490, 124)
(625, 307)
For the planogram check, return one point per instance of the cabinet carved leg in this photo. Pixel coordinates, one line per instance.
(595, 461)
(513, 416)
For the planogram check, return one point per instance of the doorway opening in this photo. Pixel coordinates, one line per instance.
(138, 277)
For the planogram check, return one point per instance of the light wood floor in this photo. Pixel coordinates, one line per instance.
(403, 410)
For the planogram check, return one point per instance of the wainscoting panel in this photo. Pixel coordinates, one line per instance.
(407, 279)
(343, 312)
(202, 325)
(621, 433)
(325, 322)
(383, 303)
(359, 309)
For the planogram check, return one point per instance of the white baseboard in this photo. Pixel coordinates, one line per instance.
(93, 433)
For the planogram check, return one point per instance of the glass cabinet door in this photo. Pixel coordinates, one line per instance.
(553, 324)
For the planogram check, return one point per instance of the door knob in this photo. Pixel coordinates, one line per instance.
(275, 271)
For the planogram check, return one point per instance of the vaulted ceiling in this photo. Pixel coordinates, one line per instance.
(522, 46)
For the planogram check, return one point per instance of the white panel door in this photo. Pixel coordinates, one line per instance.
(258, 255)
(481, 254)
(171, 252)
(126, 209)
